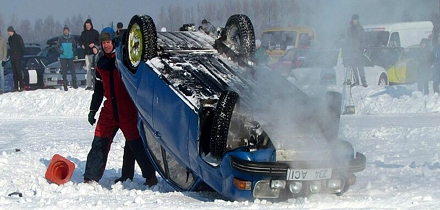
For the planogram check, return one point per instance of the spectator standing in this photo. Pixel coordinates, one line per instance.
(120, 29)
(436, 69)
(425, 62)
(118, 112)
(208, 28)
(66, 46)
(16, 46)
(88, 39)
(3, 57)
(261, 56)
(355, 35)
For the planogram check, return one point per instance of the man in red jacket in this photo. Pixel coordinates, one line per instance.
(118, 112)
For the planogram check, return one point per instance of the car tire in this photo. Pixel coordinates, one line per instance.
(221, 121)
(383, 80)
(240, 33)
(140, 42)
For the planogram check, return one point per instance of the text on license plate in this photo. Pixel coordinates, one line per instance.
(309, 174)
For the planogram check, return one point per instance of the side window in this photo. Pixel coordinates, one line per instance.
(394, 40)
(180, 175)
(167, 165)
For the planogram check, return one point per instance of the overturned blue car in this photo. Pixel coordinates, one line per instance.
(211, 119)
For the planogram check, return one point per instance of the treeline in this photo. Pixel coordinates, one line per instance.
(41, 30)
(263, 13)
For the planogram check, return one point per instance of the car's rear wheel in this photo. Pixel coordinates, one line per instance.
(383, 80)
(140, 42)
(240, 33)
(221, 121)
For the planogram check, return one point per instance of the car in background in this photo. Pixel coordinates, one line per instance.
(53, 77)
(326, 67)
(290, 60)
(33, 67)
(404, 71)
(51, 52)
(277, 41)
(29, 49)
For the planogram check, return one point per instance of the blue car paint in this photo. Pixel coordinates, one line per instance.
(155, 99)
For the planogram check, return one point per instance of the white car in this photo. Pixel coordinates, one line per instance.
(326, 67)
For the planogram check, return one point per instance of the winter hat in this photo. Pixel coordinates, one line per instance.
(355, 17)
(204, 21)
(106, 34)
(11, 29)
(66, 27)
(119, 25)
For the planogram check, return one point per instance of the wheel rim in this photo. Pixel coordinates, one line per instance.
(234, 37)
(382, 81)
(135, 46)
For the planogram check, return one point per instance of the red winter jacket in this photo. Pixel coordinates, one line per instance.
(118, 107)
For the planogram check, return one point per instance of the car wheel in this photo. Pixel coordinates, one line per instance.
(240, 33)
(383, 80)
(221, 121)
(140, 42)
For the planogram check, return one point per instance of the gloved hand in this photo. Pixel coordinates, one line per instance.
(91, 117)
(3, 63)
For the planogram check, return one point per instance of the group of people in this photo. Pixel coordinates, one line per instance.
(66, 46)
(118, 110)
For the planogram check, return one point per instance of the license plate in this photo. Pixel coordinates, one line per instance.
(54, 78)
(309, 174)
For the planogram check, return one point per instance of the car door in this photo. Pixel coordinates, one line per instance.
(171, 117)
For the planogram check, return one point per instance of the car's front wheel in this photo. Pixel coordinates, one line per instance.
(221, 121)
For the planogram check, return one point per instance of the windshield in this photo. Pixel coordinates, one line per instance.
(278, 40)
(376, 38)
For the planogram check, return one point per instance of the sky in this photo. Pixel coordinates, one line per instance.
(102, 12)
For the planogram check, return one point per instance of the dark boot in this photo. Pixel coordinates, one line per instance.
(97, 159)
(143, 161)
(65, 86)
(127, 165)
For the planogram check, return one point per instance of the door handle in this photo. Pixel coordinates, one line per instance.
(157, 134)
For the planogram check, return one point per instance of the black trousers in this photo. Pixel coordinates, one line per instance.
(67, 64)
(17, 73)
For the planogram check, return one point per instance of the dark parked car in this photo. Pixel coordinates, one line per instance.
(30, 49)
(52, 54)
(210, 122)
(53, 75)
(33, 67)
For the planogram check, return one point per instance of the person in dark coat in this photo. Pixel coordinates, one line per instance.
(436, 61)
(425, 61)
(88, 39)
(16, 46)
(355, 35)
(120, 29)
(118, 112)
(66, 46)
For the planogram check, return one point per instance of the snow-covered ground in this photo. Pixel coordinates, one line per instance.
(398, 130)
